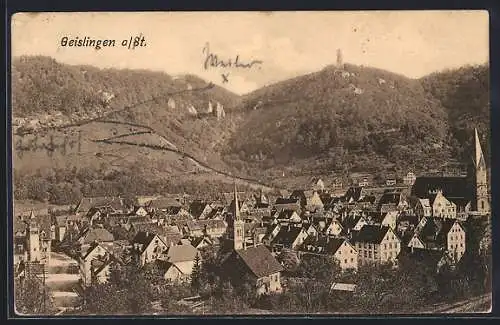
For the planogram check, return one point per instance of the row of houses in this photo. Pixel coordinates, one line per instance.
(363, 225)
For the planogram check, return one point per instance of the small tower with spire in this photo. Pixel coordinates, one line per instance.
(480, 202)
(238, 224)
(33, 239)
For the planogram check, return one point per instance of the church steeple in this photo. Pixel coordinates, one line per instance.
(236, 212)
(238, 224)
(480, 201)
(479, 157)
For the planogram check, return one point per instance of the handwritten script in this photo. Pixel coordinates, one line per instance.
(213, 60)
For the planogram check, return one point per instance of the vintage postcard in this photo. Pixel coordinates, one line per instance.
(251, 163)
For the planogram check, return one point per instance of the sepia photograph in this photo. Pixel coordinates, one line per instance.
(250, 163)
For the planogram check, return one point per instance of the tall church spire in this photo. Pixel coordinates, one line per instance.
(236, 212)
(481, 202)
(479, 157)
(238, 224)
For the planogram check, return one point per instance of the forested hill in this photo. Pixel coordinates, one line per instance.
(110, 125)
(41, 85)
(47, 94)
(465, 95)
(362, 118)
(331, 121)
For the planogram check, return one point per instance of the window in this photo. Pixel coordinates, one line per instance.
(345, 261)
(385, 246)
(482, 205)
(352, 259)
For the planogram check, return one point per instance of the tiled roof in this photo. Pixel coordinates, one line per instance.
(286, 236)
(323, 244)
(260, 261)
(353, 193)
(351, 221)
(60, 221)
(212, 224)
(281, 200)
(173, 210)
(197, 207)
(371, 234)
(89, 202)
(427, 256)
(435, 231)
(171, 238)
(389, 198)
(286, 214)
(96, 235)
(143, 238)
(181, 253)
(162, 203)
(147, 227)
(452, 187)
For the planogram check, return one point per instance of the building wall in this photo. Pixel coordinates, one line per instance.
(386, 251)
(215, 232)
(368, 253)
(423, 210)
(174, 275)
(334, 229)
(347, 256)
(85, 264)
(314, 202)
(300, 239)
(34, 253)
(103, 276)
(269, 284)
(456, 242)
(360, 224)
(415, 243)
(154, 251)
(60, 232)
(390, 247)
(443, 208)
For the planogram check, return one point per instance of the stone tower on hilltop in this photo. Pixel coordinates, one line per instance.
(340, 60)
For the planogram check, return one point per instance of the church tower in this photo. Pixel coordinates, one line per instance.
(480, 201)
(33, 239)
(238, 224)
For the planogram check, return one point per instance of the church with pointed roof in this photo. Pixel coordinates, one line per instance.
(253, 262)
(466, 192)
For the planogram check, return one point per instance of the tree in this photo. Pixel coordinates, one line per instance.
(319, 267)
(105, 299)
(31, 297)
(196, 274)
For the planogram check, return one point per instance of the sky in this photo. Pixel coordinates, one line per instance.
(412, 43)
